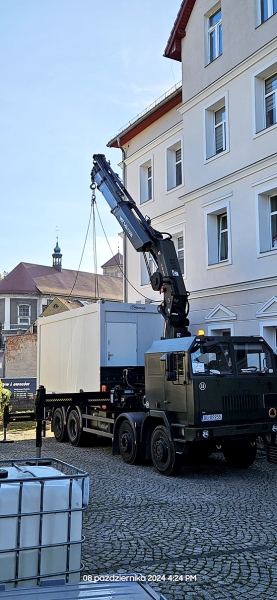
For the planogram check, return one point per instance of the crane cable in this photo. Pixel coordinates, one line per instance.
(91, 209)
(149, 299)
(93, 202)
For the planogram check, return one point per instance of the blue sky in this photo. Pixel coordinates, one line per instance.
(73, 72)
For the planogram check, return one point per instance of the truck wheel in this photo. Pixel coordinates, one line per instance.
(59, 427)
(240, 457)
(75, 432)
(127, 447)
(163, 453)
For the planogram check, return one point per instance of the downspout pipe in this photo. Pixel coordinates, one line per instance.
(125, 291)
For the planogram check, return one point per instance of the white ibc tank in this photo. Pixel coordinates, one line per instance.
(22, 526)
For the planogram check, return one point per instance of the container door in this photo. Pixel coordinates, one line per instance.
(121, 346)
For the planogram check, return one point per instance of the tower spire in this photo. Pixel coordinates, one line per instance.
(57, 257)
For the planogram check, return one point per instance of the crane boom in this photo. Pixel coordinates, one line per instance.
(167, 279)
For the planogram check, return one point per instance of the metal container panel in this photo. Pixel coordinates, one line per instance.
(72, 346)
(86, 591)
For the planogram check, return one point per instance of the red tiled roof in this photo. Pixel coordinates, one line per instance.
(18, 280)
(173, 47)
(41, 280)
(116, 260)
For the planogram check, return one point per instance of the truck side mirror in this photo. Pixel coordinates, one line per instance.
(170, 367)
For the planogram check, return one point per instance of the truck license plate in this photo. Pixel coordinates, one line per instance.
(211, 417)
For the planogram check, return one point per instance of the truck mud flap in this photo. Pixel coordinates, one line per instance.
(271, 453)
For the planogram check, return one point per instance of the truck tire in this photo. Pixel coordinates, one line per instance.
(59, 427)
(75, 433)
(163, 453)
(127, 446)
(240, 457)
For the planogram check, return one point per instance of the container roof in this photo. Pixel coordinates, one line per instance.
(175, 345)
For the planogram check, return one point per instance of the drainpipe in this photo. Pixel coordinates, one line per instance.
(125, 291)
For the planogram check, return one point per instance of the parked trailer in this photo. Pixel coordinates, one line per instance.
(200, 395)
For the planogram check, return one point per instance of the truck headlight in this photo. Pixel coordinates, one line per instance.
(205, 434)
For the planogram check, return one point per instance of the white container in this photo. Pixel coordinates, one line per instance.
(74, 346)
(26, 498)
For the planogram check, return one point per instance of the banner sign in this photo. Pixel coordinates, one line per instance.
(20, 386)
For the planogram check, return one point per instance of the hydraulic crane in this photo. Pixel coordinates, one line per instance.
(167, 278)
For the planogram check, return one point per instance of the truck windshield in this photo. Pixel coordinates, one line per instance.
(211, 359)
(253, 357)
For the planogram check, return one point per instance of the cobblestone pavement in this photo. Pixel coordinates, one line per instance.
(213, 525)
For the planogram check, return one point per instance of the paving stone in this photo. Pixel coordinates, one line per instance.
(213, 525)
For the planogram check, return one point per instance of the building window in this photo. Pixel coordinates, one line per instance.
(270, 100)
(265, 96)
(215, 35)
(273, 221)
(24, 311)
(174, 166)
(268, 8)
(222, 237)
(216, 128)
(267, 221)
(220, 130)
(178, 239)
(218, 236)
(146, 181)
(178, 159)
(180, 252)
(149, 183)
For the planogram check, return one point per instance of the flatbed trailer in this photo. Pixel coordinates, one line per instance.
(199, 396)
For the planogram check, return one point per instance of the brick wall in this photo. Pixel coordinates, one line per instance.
(21, 355)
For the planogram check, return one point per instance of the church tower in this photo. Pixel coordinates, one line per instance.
(57, 257)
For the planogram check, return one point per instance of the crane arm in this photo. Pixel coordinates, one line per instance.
(144, 238)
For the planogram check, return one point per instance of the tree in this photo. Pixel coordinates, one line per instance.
(4, 397)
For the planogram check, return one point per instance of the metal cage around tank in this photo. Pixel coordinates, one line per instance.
(65, 478)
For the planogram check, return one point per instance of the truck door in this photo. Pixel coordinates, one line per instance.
(121, 345)
(175, 391)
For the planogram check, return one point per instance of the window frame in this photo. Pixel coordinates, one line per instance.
(176, 233)
(263, 220)
(270, 10)
(272, 213)
(180, 250)
(214, 328)
(220, 232)
(24, 317)
(212, 236)
(170, 165)
(143, 180)
(209, 127)
(273, 93)
(259, 104)
(215, 28)
(221, 124)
